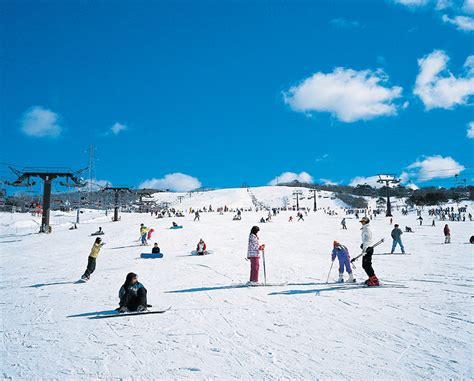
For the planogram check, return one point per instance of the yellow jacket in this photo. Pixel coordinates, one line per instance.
(144, 230)
(95, 250)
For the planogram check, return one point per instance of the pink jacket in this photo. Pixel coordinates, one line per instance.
(252, 251)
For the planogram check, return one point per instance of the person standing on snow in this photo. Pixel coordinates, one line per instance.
(368, 250)
(197, 217)
(342, 254)
(397, 239)
(343, 223)
(253, 254)
(132, 295)
(447, 234)
(143, 234)
(91, 262)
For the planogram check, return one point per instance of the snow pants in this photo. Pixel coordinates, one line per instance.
(344, 261)
(90, 267)
(367, 262)
(254, 267)
(447, 239)
(133, 301)
(144, 239)
(397, 242)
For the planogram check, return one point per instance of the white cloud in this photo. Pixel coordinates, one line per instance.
(347, 94)
(40, 122)
(412, 186)
(328, 182)
(345, 23)
(324, 157)
(360, 180)
(178, 182)
(117, 128)
(437, 87)
(96, 184)
(470, 130)
(288, 177)
(464, 23)
(412, 3)
(433, 167)
(468, 6)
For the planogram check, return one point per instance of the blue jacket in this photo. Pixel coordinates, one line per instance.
(341, 252)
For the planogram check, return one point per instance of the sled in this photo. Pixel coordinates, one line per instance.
(151, 255)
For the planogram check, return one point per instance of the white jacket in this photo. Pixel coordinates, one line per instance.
(366, 235)
(252, 251)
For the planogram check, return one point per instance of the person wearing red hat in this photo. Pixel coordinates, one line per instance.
(342, 254)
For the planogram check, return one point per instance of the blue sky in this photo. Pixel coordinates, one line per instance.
(229, 92)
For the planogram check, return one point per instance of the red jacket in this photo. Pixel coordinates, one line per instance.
(203, 247)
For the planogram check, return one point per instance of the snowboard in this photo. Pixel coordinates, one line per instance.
(118, 314)
(176, 227)
(151, 255)
(94, 234)
(207, 252)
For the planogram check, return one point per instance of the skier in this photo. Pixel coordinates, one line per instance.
(253, 254)
(201, 247)
(132, 295)
(342, 254)
(143, 234)
(290, 219)
(397, 239)
(91, 261)
(155, 249)
(421, 220)
(368, 250)
(447, 234)
(433, 223)
(150, 232)
(343, 223)
(197, 217)
(300, 216)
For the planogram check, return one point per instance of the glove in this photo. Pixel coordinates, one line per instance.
(361, 246)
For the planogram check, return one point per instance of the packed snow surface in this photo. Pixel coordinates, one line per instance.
(418, 325)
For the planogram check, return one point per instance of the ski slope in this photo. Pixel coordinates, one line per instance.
(419, 325)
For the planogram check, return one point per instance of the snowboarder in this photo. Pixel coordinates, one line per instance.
(155, 249)
(343, 223)
(342, 254)
(143, 234)
(201, 247)
(91, 261)
(197, 217)
(368, 250)
(253, 254)
(397, 239)
(447, 234)
(132, 295)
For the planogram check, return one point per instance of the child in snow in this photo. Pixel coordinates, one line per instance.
(397, 239)
(342, 254)
(150, 232)
(447, 234)
(155, 249)
(91, 262)
(201, 247)
(253, 254)
(143, 233)
(368, 250)
(132, 295)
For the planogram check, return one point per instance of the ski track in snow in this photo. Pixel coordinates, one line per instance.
(419, 326)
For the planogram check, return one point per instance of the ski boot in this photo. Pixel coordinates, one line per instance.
(123, 310)
(372, 281)
(142, 308)
(341, 279)
(351, 278)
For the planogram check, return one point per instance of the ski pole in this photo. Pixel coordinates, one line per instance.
(264, 269)
(363, 252)
(332, 263)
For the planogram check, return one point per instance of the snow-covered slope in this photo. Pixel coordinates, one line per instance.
(419, 326)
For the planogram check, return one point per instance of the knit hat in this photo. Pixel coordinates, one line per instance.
(335, 243)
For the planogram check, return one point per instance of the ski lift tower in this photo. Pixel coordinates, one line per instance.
(388, 179)
(47, 175)
(314, 196)
(298, 196)
(117, 191)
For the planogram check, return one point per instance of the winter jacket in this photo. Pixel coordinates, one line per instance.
(95, 250)
(155, 250)
(144, 230)
(201, 247)
(341, 252)
(252, 251)
(366, 235)
(447, 231)
(396, 234)
(130, 291)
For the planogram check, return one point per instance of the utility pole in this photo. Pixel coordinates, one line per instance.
(297, 195)
(47, 175)
(314, 196)
(388, 179)
(116, 191)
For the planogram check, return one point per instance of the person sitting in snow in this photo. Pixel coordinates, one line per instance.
(155, 249)
(342, 254)
(201, 247)
(174, 224)
(132, 295)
